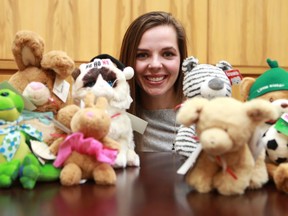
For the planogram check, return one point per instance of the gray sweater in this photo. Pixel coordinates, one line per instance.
(160, 132)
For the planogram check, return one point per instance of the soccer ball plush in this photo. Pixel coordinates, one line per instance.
(276, 145)
(275, 142)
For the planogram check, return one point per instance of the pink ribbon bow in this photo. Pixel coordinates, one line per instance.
(88, 146)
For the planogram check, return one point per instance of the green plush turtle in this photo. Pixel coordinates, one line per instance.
(16, 158)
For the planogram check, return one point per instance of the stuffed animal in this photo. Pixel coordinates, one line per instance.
(224, 126)
(43, 79)
(106, 76)
(88, 152)
(275, 138)
(16, 159)
(272, 85)
(206, 81)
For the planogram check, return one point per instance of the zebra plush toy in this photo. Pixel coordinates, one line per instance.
(202, 80)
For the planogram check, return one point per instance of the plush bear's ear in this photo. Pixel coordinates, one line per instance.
(224, 65)
(27, 49)
(189, 63)
(190, 111)
(260, 110)
(245, 87)
(59, 62)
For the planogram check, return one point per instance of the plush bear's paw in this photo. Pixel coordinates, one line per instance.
(132, 158)
(281, 177)
(70, 175)
(30, 171)
(104, 174)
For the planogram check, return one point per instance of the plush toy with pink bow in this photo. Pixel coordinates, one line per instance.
(86, 153)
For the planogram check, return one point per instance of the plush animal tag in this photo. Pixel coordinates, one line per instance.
(61, 89)
(138, 124)
(234, 76)
(42, 151)
(282, 124)
(98, 63)
(189, 163)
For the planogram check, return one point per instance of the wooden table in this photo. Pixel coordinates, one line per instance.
(153, 189)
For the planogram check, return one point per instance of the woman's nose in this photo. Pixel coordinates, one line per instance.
(155, 62)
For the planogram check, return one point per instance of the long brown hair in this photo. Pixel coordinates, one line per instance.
(132, 39)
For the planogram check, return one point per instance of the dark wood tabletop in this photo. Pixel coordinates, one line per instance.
(153, 189)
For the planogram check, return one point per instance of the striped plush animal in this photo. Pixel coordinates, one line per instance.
(201, 80)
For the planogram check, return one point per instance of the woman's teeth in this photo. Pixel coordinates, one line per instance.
(155, 79)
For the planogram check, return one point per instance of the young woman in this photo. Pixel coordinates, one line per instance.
(155, 46)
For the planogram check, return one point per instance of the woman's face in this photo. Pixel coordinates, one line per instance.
(157, 60)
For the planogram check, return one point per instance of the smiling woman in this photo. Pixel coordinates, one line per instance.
(155, 46)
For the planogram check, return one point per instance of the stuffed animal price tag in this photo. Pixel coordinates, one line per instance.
(282, 124)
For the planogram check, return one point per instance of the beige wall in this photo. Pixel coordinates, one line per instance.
(243, 32)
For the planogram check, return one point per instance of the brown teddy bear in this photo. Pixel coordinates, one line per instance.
(42, 78)
(272, 85)
(87, 153)
(224, 126)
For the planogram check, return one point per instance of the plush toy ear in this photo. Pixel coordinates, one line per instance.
(260, 110)
(224, 65)
(59, 62)
(27, 49)
(190, 111)
(101, 103)
(129, 72)
(89, 99)
(245, 86)
(189, 63)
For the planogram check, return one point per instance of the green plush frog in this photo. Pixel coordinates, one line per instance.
(16, 158)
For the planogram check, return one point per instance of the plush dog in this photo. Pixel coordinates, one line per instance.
(105, 76)
(225, 126)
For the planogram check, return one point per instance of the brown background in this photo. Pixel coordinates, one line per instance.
(243, 32)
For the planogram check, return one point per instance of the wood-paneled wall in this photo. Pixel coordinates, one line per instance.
(244, 32)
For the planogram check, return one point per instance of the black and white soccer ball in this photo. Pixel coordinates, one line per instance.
(276, 145)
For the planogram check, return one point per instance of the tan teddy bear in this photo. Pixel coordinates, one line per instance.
(272, 86)
(224, 126)
(42, 78)
(88, 152)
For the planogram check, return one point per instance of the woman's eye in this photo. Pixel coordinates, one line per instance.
(168, 54)
(141, 55)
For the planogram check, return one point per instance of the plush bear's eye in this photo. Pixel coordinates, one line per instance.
(4, 94)
(271, 99)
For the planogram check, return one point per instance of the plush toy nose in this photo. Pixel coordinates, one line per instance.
(36, 85)
(90, 114)
(216, 84)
